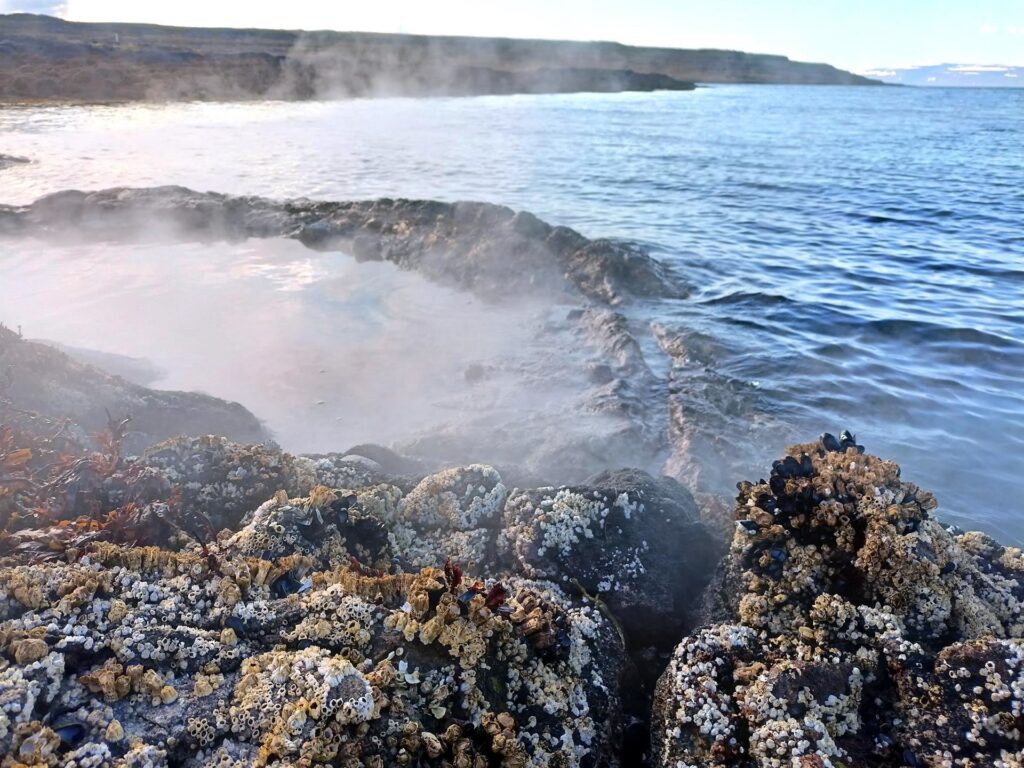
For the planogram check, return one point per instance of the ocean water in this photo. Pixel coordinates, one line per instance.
(855, 256)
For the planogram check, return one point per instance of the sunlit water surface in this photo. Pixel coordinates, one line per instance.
(856, 255)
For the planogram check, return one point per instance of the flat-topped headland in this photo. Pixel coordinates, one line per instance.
(48, 59)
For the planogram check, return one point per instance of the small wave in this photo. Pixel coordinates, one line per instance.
(924, 332)
(749, 297)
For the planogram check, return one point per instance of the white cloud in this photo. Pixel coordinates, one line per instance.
(973, 69)
(988, 29)
(48, 7)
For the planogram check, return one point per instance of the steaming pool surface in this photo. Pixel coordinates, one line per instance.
(328, 351)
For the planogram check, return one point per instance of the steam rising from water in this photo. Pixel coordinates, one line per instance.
(330, 352)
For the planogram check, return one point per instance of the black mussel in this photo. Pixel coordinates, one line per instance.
(806, 465)
(558, 649)
(71, 732)
(848, 440)
(779, 555)
(285, 585)
(341, 506)
(909, 758)
(830, 443)
(748, 525)
(789, 467)
(948, 568)
(434, 596)
(778, 485)
(883, 742)
(236, 624)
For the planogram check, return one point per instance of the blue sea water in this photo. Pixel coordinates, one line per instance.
(855, 255)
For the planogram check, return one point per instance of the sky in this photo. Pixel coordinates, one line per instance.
(858, 35)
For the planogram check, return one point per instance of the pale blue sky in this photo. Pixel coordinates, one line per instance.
(852, 34)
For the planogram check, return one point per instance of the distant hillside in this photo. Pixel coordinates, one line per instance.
(43, 58)
(963, 75)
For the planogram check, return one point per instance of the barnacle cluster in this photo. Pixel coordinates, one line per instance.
(853, 629)
(455, 510)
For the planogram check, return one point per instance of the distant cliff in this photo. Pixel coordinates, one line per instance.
(48, 59)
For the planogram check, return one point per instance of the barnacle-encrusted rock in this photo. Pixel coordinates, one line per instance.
(223, 481)
(634, 541)
(853, 629)
(247, 653)
(330, 526)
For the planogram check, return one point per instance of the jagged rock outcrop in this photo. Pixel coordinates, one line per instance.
(851, 628)
(489, 249)
(329, 620)
(48, 386)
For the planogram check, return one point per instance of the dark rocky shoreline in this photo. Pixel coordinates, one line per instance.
(488, 249)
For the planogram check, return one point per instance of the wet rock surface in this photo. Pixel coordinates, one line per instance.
(849, 628)
(651, 396)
